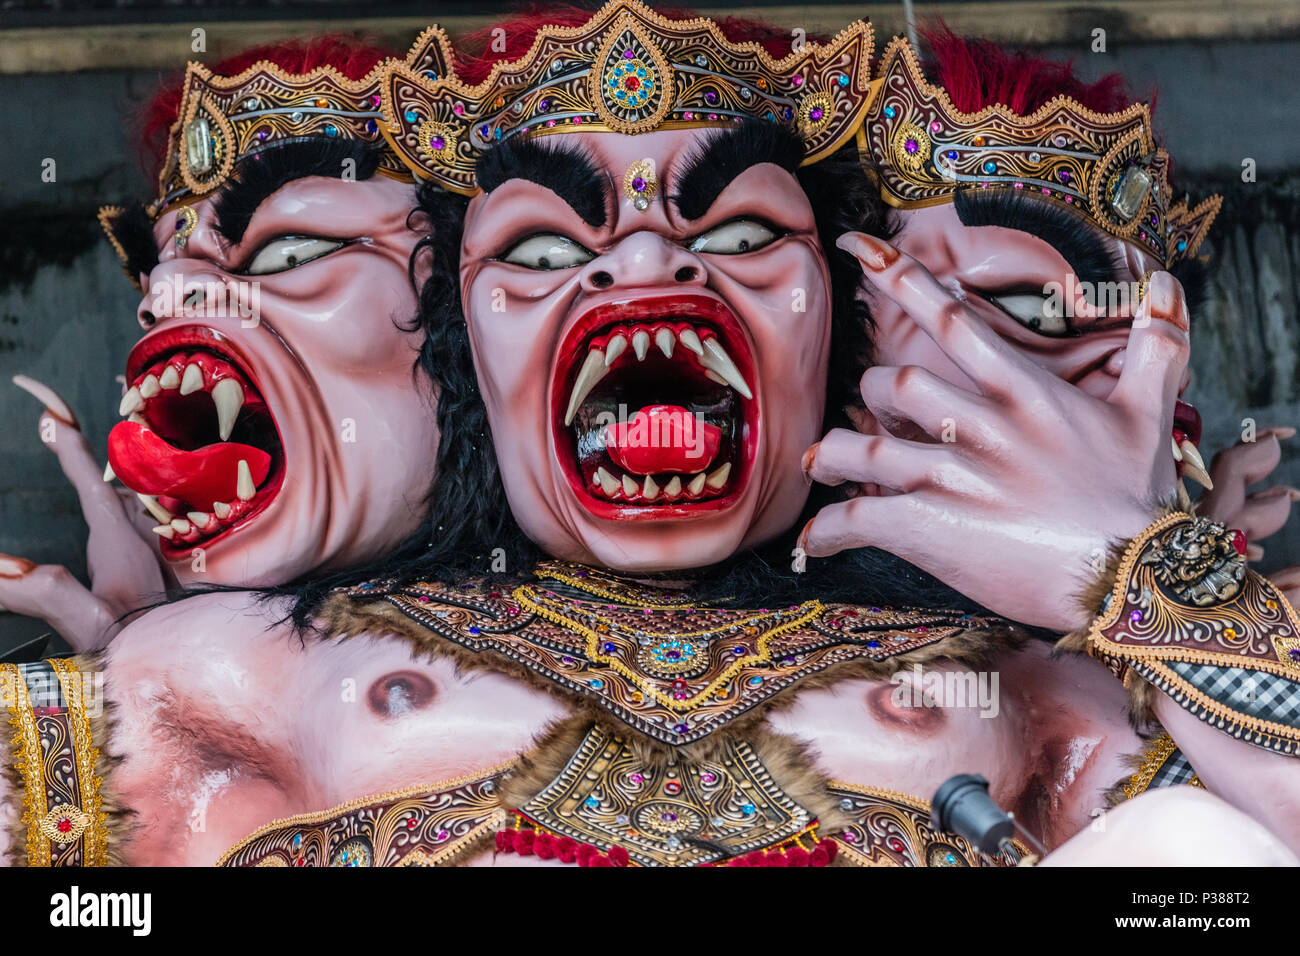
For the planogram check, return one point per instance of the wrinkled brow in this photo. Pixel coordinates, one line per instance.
(566, 169)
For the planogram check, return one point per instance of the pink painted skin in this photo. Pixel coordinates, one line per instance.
(1041, 477)
(517, 345)
(985, 261)
(358, 441)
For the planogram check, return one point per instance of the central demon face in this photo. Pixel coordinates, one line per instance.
(652, 375)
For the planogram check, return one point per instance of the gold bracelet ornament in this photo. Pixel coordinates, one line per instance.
(1186, 615)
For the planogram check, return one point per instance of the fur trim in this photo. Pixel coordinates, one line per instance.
(791, 764)
(119, 821)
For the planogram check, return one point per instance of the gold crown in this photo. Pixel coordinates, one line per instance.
(626, 70)
(223, 120)
(1105, 168)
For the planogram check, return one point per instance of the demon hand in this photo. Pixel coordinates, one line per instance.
(124, 568)
(1026, 480)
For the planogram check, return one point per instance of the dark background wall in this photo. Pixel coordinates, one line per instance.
(70, 73)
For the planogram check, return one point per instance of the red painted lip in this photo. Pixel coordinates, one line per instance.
(160, 346)
(631, 307)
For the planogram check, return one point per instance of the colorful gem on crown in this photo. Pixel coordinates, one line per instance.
(630, 70)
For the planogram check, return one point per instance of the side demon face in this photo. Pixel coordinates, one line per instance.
(270, 408)
(652, 376)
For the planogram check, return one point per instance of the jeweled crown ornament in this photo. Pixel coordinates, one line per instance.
(627, 70)
(1105, 168)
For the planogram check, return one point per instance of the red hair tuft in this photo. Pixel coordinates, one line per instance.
(977, 73)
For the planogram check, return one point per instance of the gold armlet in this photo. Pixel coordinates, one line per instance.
(1186, 616)
(55, 762)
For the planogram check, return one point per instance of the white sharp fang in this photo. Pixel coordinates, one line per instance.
(170, 377)
(150, 386)
(131, 402)
(641, 344)
(1184, 499)
(1197, 474)
(181, 525)
(696, 485)
(649, 490)
(614, 348)
(593, 370)
(199, 518)
(137, 418)
(228, 396)
(665, 339)
(719, 477)
(221, 510)
(1191, 454)
(109, 474)
(713, 376)
(630, 487)
(692, 341)
(674, 487)
(165, 531)
(607, 482)
(158, 511)
(1178, 452)
(193, 379)
(719, 361)
(244, 486)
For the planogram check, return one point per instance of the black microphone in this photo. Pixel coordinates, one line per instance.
(962, 805)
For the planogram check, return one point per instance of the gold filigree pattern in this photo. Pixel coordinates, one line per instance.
(1105, 168)
(687, 812)
(1156, 756)
(630, 70)
(669, 668)
(1208, 610)
(418, 826)
(893, 829)
(56, 758)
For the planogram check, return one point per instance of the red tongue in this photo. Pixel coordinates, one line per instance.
(147, 464)
(662, 438)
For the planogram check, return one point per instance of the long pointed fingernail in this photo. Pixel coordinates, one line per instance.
(1280, 432)
(808, 457)
(873, 253)
(1162, 299)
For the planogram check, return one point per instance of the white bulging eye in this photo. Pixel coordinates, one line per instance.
(289, 252)
(548, 251)
(1042, 313)
(733, 238)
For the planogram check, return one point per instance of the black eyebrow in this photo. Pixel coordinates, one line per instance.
(711, 167)
(134, 233)
(566, 169)
(262, 174)
(1091, 257)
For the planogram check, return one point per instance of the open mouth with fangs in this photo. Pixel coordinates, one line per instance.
(199, 443)
(653, 407)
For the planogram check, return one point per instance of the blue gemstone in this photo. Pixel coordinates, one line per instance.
(592, 802)
(890, 112)
(430, 74)
(411, 116)
(842, 80)
(331, 130)
(747, 809)
(597, 684)
(952, 154)
(649, 84)
(613, 84)
(1182, 245)
(608, 647)
(680, 728)
(755, 681)
(475, 631)
(873, 644)
(990, 167)
(788, 112)
(771, 118)
(497, 134)
(485, 129)
(371, 126)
